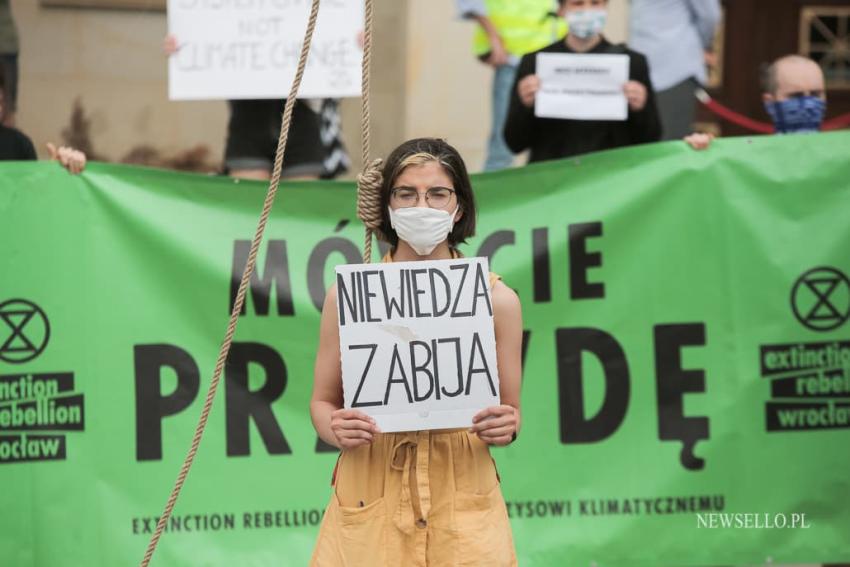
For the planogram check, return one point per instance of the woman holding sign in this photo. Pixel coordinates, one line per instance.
(419, 497)
(581, 121)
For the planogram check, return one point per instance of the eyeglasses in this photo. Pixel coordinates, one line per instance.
(435, 197)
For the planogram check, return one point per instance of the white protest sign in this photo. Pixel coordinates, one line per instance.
(582, 86)
(249, 49)
(417, 342)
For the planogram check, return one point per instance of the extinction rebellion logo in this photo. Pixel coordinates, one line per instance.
(820, 299)
(26, 331)
(810, 381)
(33, 406)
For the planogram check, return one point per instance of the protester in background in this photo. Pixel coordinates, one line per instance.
(252, 136)
(9, 61)
(14, 144)
(314, 149)
(552, 138)
(507, 30)
(677, 37)
(336, 160)
(17, 146)
(794, 96)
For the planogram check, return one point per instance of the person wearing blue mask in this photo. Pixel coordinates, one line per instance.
(795, 95)
(794, 98)
(555, 138)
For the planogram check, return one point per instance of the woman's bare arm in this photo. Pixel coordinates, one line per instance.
(339, 427)
(496, 425)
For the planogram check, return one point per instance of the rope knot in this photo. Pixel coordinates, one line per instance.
(369, 203)
(369, 195)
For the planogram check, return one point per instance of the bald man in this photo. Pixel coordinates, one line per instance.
(794, 97)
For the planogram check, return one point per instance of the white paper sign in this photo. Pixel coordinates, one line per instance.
(249, 49)
(417, 342)
(582, 86)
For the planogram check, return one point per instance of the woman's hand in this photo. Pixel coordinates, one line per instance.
(170, 46)
(496, 425)
(352, 428)
(635, 94)
(71, 159)
(527, 89)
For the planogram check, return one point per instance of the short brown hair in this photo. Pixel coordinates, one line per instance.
(419, 151)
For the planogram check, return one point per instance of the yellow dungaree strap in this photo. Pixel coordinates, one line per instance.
(410, 457)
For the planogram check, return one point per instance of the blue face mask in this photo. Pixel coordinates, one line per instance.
(797, 115)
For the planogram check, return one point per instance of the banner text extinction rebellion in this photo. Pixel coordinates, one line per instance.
(526, 509)
(37, 402)
(273, 281)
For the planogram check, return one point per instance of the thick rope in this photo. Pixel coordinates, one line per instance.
(370, 179)
(243, 286)
(731, 115)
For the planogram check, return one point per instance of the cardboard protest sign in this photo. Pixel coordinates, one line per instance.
(582, 86)
(249, 49)
(417, 342)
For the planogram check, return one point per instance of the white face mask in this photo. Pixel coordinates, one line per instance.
(585, 24)
(422, 227)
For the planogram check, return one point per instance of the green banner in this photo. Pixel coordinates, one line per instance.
(686, 390)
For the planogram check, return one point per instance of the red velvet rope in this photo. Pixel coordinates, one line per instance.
(754, 125)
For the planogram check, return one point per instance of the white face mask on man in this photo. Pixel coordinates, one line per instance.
(422, 227)
(587, 23)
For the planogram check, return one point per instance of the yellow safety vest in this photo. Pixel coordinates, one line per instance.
(523, 25)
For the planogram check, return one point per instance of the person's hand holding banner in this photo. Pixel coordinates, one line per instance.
(72, 160)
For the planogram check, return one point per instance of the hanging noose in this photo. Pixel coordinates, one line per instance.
(370, 179)
(369, 183)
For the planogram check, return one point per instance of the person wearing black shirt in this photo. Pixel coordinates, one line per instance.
(15, 145)
(553, 138)
(315, 148)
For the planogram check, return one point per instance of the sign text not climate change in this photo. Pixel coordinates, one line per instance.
(417, 341)
(249, 49)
